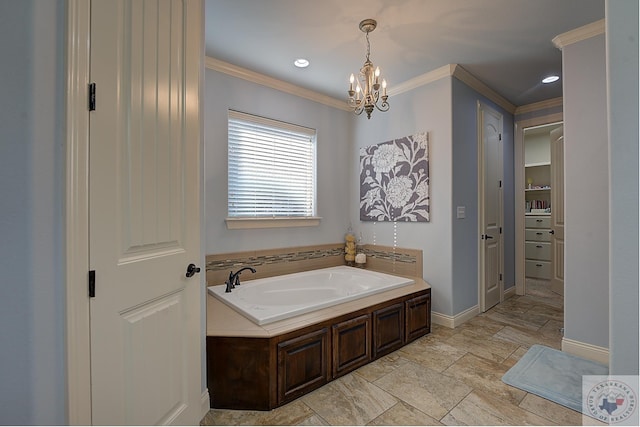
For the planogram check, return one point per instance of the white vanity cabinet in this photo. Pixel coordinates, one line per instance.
(538, 246)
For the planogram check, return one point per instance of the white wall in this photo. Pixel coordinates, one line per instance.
(622, 69)
(425, 109)
(334, 136)
(32, 291)
(586, 192)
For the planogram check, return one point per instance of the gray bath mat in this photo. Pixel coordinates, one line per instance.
(553, 375)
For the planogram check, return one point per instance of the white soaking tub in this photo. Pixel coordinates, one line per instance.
(280, 297)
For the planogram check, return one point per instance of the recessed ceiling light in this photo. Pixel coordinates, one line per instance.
(550, 79)
(301, 63)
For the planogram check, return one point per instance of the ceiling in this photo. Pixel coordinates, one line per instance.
(504, 43)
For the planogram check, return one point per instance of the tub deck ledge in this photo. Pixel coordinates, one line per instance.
(223, 321)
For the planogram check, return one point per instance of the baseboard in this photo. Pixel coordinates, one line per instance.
(509, 293)
(204, 403)
(454, 321)
(587, 351)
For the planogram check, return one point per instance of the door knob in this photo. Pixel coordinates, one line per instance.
(192, 269)
(486, 236)
(552, 232)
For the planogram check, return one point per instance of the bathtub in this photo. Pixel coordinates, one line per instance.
(276, 298)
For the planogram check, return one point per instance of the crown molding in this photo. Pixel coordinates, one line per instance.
(448, 70)
(431, 76)
(261, 79)
(579, 34)
(542, 105)
(471, 81)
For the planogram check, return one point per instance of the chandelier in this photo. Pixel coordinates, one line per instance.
(367, 93)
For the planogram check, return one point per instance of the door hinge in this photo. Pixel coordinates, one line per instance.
(92, 96)
(499, 137)
(92, 284)
(500, 276)
(500, 184)
(500, 230)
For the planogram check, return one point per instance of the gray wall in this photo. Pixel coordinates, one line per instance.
(586, 192)
(32, 311)
(465, 193)
(425, 109)
(334, 136)
(622, 69)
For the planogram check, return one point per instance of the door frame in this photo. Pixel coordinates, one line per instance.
(519, 186)
(481, 109)
(78, 333)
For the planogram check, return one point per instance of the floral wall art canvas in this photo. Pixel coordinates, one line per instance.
(394, 180)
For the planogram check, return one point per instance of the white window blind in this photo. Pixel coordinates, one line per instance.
(271, 168)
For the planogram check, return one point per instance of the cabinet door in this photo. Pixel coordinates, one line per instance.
(302, 364)
(418, 322)
(388, 329)
(351, 344)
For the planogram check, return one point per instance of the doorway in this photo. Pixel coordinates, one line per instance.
(538, 188)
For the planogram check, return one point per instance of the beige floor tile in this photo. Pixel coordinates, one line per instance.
(484, 376)
(437, 355)
(349, 400)
(550, 312)
(291, 414)
(381, 367)
(485, 409)
(484, 346)
(403, 414)
(555, 413)
(314, 420)
(523, 320)
(439, 331)
(515, 356)
(425, 389)
(481, 325)
(527, 338)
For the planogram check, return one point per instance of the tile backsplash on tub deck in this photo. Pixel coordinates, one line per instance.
(275, 262)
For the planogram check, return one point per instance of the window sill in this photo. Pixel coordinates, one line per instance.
(278, 222)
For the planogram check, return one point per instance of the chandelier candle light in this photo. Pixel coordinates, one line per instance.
(367, 93)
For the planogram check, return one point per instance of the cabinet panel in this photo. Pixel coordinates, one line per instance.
(239, 372)
(351, 344)
(537, 269)
(417, 317)
(302, 364)
(537, 235)
(538, 250)
(388, 329)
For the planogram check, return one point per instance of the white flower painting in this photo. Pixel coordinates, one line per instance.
(394, 180)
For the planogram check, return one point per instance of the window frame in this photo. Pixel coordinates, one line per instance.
(273, 221)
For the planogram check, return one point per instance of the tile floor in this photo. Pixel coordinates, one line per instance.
(449, 377)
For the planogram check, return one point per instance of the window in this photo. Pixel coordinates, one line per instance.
(271, 169)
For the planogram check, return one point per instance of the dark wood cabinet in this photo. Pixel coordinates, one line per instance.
(388, 329)
(302, 364)
(264, 373)
(418, 317)
(351, 347)
(233, 364)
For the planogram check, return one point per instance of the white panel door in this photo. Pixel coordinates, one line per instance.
(490, 212)
(145, 211)
(557, 210)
